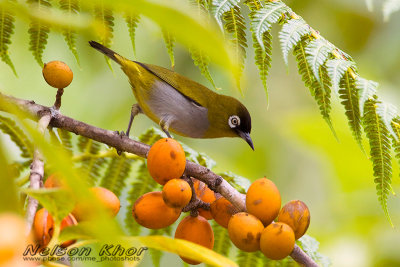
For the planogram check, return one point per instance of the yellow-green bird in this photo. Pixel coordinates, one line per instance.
(181, 105)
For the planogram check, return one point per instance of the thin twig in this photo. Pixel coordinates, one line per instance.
(110, 138)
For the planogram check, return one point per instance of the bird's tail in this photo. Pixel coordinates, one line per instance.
(106, 51)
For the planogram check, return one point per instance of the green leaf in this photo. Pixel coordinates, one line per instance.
(263, 59)
(379, 141)
(201, 60)
(9, 127)
(387, 112)
(336, 69)
(55, 200)
(6, 30)
(184, 248)
(366, 90)
(65, 138)
(240, 183)
(249, 259)
(262, 19)
(105, 16)
(90, 166)
(132, 21)
(222, 242)
(310, 246)
(292, 33)
(117, 172)
(169, 43)
(151, 136)
(349, 93)
(317, 52)
(38, 31)
(70, 7)
(142, 184)
(220, 7)
(235, 26)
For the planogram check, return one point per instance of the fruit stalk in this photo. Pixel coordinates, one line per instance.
(110, 138)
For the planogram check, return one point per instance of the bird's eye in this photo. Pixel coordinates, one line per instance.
(234, 121)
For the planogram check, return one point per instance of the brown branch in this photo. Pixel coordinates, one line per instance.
(123, 143)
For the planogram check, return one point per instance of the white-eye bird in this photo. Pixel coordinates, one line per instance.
(181, 105)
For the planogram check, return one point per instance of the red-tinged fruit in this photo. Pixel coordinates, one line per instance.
(206, 195)
(297, 215)
(222, 211)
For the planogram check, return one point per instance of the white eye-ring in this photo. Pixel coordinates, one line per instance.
(234, 121)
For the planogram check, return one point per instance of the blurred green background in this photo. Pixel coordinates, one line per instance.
(293, 145)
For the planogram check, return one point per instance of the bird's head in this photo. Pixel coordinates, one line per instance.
(230, 118)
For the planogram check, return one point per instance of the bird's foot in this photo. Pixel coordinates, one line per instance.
(121, 135)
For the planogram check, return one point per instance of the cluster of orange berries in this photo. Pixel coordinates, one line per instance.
(43, 224)
(249, 231)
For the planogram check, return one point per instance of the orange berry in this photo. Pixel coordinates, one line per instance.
(107, 199)
(43, 227)
(57, 74)
(166, 160)
(277, 241)
(222, 211)
(151, 211)
(244, 231)
(53, 181)
(196, 230)
(67, 222)
(297, 215)
(205, 194)
(177, 193)
(263, 200)
(13, 240)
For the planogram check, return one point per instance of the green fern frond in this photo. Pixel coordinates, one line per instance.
(105, 16)
(143, 183)
(6, 30)
(379, 141)
(38, 32)
(236, 27)
(249, 259)
(262, 56)
(70, 7)
(322, 94)
(336, 69)
(349, 93)
(317, 52)
(9, 127)
(366, 90)
(390, 7)
(169, 40)
(262, 19)
(117, 172)
(304, 67)
(151, 136)
(90, 166)
(387, 112)
(220, 7)
(286, 262)
(292, 33)
(132, 21)
(222, 242)
(202, 61)
(396, 142)
(65, 138)
(254, 5)
(156, 254)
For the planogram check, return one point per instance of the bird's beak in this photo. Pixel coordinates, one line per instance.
(247, 138)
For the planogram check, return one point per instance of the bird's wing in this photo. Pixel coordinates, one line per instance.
(197, 93)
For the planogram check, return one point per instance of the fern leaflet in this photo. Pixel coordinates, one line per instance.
(65, 138)
(132, 21)
(349, 93)
(70, 7)
(90, 166)
(202, 61)
(336, 70)
(169, 43)
(9, 127)
(38, 32)
(262, 19)
(6, 30)
(106, 17)
(262, 56)
(387, 112)
(222, 243)
(291, 34)
(366, 90)
(220, 7)
(379, 141)
(117, 172)
(317, 52)
(249, 259)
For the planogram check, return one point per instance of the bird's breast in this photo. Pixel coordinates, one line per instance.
(185, 117)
